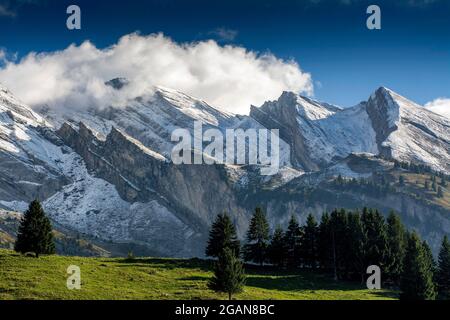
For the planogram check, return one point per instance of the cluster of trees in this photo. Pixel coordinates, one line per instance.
(344, 244)
(418, 168)
(382, 187)
(432, 184)
(378, 189)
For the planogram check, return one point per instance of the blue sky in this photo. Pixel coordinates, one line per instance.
(329, 39)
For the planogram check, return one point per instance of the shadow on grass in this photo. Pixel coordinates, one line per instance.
(195, 278)
(269, 278)
(169, 264)
(307, 282)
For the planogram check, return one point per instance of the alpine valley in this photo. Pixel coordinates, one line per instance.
(106, 180)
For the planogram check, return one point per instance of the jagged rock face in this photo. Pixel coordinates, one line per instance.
(195, 193)
(387, 124)
(28, 169)
(281, 115)
(408, 132)
(383, 118)
(318, 133)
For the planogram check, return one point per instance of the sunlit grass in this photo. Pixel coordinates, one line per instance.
(105, 278)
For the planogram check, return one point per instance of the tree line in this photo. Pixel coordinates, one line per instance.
(344, 243)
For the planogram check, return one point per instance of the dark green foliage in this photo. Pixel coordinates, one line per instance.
(434, 186)
(401, 180)
(325, 239)
(229, 274)
(376, 246)
(35, 232)
(377, 187)
(222, 235)
(396, 240)
(257, 238)
(356, 240)
(339, 241)
(443, 270)
(440, 192)
(417, 279)
(339, 180)
(429, 259)
(293, 241)
(310, 243)
(345, 243)
(276, 251)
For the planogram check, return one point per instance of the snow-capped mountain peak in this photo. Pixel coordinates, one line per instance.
(17, 110)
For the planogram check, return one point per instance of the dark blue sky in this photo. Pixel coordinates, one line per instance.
(328, 38)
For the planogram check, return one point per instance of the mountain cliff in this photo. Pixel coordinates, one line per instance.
(107, 173)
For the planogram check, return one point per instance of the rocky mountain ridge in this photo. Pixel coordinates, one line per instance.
(107, 172)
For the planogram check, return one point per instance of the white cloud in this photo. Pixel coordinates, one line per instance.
(230, 77)
(224, 34)
(440, 106)
(6, 12)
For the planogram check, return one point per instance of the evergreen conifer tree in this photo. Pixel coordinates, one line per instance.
(356, 245)
(35, 232)
(396, 240)
(429, 259)
(376, 247)
(293, 240)
(325, 251)
(417, 280)
(440, 192)
(339, 241)
(229, 274)
(277, 250)
(310, 243)
(222, 235)
(257, 238)
(443, 271)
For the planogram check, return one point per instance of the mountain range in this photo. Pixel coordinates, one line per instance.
(106, 174)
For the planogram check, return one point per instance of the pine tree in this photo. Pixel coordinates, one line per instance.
(376, 246)
(401, 180)
(429, 259)
(257, 238)
(356, 245)
(293, 240)
(434, 186)
(310, 242)
(276, 251)
(417, 280)
(222, 235)
(396, 240)
(339, 241)
(35, 232)
(229, 274)
(440, 192)
(325, 252)
(443, 271)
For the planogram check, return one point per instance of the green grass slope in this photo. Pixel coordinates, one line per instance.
(107, 278)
